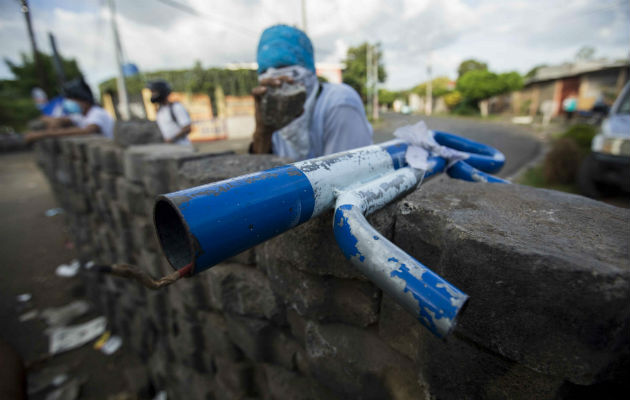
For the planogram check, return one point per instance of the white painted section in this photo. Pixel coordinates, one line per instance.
(340, 172)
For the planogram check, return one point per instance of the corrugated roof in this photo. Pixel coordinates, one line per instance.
(567, 70)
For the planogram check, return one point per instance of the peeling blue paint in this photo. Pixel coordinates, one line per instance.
(429, 291)
(343, 233)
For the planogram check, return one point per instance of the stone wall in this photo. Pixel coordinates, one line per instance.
(547, 273)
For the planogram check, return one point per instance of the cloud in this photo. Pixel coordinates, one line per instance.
(509, 35)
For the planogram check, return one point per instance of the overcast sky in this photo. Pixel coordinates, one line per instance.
(508, 35)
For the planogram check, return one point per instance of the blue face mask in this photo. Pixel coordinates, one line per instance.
(71, 106)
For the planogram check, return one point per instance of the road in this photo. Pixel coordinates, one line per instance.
(517, 143)
(31, 247)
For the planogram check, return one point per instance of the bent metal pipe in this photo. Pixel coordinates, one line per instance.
(202, 226)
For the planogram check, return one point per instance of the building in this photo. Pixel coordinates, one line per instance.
(589, 81)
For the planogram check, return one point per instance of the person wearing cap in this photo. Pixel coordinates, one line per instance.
(333, 117)
(86, 117)
(172, 117)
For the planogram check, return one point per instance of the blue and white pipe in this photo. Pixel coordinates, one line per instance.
(202, 226)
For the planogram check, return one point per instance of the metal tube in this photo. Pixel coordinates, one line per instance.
(202, 226)
(205, 225)
(431, 299)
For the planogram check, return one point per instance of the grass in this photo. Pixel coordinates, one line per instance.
(534, 177)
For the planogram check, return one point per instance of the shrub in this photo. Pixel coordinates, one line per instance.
(466, 108)
(562, 162)
(582, 134)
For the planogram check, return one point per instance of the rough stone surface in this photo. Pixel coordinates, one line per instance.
(549, 283)
(547, 274)
(212, 169)
(280, 384)
(242, 290)
(357, 363)
(134, 157)
(135, 132)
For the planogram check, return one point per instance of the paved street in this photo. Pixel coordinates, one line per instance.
(517, 143)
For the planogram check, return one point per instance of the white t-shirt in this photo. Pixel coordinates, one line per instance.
(96, 116)
(170, 127)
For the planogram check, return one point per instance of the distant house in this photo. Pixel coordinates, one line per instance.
(588, 80)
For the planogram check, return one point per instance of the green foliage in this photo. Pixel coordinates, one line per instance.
(15, 110)
(16, 104)
(562, 162)
(582, 135)
(452, 99)
(471, 65)
(536, 178)
(388, 97)
(355, 73)
(560, 167)
(466, 108)
(26, 77)
(238, 82)
(480, 84)
(439, 87)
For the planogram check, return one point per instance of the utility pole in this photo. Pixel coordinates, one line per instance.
(375, 54)
(368, 78)
(61, 76)
(428, 108)
(123, 102)
(41, 75)
(304, 26)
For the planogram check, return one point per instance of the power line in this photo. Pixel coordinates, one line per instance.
(226, 22)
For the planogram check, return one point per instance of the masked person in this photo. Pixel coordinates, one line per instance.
(333, 118)
(86, 117)
(172, 118)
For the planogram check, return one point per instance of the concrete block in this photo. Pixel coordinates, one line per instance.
(134, 157)
(234, 379)
(549, 283)
(279, 384)
(136, 132)
(303, 292)
(353, 302)
(456, 368)
(242, 290)
(131, 197)
(111, 157)
(200, 171)
(251, 335)
(216, 340)
(144, 236)
(357, 364)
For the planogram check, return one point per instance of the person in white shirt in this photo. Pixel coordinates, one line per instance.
(333, 118)
(172, 118)
(86, 117)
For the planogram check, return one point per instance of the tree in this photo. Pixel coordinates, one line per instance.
(387, 97)
(452, 99)
(16, 105)
(480, 84)
(439, 87)
(355, 73)
(585, 53)
(196, 80)
(26, 74)
(532, 72)
(470, 65)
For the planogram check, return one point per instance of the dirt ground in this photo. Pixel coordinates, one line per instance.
(31, 247)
